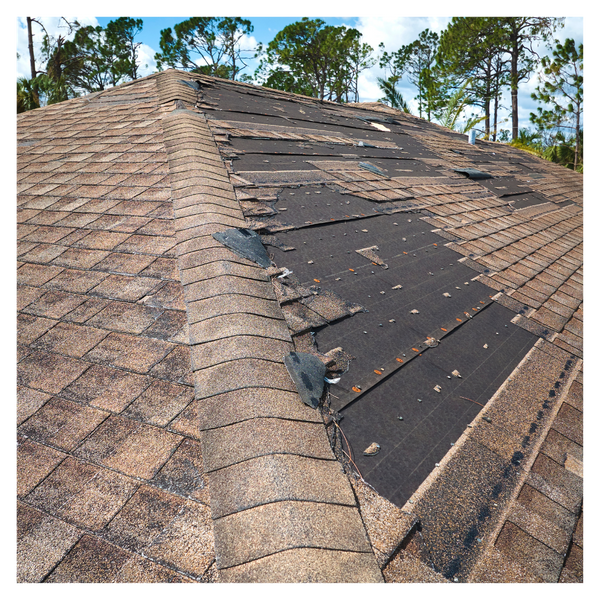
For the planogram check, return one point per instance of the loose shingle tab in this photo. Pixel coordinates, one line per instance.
(371, 168)
(473, 173)
(245, 243)
(308, 373)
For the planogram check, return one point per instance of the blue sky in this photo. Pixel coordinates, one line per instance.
(392, 29)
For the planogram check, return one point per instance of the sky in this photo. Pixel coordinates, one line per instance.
(393, 30)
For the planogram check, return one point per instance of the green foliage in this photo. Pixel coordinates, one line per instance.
(41, 91)
(556, 148)
(566, 151)
(470, 50)
(516, 37)
(28, 94)
(561, 87)
(312, 58)
(96, 58)
(209, 45)
(121, 34)
(455, 107)
(392, 95)
(416, 60)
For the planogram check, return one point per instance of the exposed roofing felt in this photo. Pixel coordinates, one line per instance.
(162, 432)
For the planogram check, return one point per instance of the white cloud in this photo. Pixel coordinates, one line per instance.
(397, 31)
(146, 62)
(573, 29)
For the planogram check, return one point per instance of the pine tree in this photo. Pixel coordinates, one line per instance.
(561, 87)
(209, 45)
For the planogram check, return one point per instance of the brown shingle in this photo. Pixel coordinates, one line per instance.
(130, 447)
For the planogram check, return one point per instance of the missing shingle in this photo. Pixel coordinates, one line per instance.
(195, 85)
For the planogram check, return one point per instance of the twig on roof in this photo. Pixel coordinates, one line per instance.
(469, 399)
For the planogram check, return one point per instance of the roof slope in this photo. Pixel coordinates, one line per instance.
(151, 356)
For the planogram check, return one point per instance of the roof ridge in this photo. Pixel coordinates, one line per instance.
(300, 514)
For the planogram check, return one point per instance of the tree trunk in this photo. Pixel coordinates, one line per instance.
(495, 117)
(514, 85)
(31, 54)
(576, 161)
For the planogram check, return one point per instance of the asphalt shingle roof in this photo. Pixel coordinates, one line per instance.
(161, 437)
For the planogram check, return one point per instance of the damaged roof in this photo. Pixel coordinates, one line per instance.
(267, 338)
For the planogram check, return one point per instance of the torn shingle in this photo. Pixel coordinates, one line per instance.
(308, 373)
(370, 254)
(245, 243)
(473, 173)
(372, 168)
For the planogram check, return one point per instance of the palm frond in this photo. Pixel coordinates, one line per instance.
(391, 95)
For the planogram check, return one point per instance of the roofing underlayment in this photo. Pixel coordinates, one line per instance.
(200, 262)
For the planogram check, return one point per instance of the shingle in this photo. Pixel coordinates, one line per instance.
(106, 388)
(62, 424)
(240, 405)
(34, 463)
(83, 494)
(239, 374)
(129, 352)
(276, 478)
(237, 324)
(183, 473)
(242, 441)
(70, 339)
(49, 372)
(130, 447)
(125, 287)
(159, 403)
(36, 275)
(529, 552)
(300, 565)
(276, 527)
(125, 317)
(551, 479)
(42, 541)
